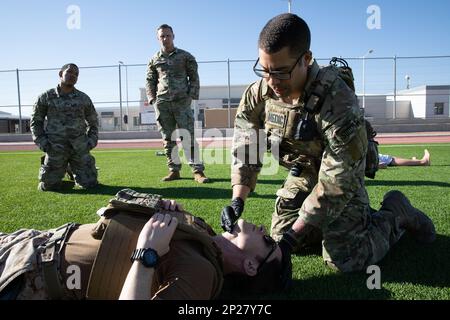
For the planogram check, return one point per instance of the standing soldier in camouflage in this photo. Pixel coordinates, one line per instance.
(172, 83)
(64, 125)
(313, 122)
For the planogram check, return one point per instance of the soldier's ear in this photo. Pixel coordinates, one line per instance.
(250, 267)
(308, 57)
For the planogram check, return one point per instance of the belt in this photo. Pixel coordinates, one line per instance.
(50, 258)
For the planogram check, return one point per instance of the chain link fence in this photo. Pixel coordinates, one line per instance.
(118, 90)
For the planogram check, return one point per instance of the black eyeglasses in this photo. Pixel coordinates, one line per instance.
(273, 245)
(280, 75)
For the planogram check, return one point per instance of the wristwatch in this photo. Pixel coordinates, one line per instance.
(148, 256)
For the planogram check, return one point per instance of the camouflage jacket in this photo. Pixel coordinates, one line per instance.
(172, 77)
(70, 117)
(332, 161)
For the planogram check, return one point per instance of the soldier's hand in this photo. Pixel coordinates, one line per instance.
(171, 205)
(288, 242)
(230, 214)
(157, 233)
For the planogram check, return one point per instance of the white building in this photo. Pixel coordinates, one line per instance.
(426, 102)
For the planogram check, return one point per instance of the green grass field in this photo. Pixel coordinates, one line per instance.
(409, 271)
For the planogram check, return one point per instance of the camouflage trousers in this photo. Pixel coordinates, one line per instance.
(172, 115)
(357, 238)
(58, 156)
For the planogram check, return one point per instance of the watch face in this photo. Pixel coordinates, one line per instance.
(150, 258)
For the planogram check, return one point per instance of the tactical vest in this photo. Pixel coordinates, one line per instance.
(119, 228)
(294, 130)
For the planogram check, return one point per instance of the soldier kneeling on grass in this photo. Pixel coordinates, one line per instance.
(64, 125)
(69, 172)
(143, 247)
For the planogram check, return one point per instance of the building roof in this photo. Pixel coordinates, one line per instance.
(9, 116)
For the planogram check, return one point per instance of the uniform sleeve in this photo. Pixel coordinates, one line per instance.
(341, 172)
(194, 79)
(37, 122)
(246, 153)
(92, 121)
(151, 81)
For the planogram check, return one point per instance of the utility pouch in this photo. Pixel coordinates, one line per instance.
(306, 129)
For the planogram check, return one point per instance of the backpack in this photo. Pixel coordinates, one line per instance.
(317, 97)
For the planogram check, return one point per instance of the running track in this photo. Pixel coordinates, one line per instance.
(399, 138)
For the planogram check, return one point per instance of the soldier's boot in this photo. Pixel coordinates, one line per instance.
(88, 186)
(45, 187)
(173, 175)
(200, 177)
(414, 221)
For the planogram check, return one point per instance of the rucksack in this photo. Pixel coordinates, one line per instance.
(316, 99)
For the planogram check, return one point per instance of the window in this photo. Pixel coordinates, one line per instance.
(439, 108)
(135, 121)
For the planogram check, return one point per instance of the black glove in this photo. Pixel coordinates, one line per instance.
(289, 241)
(230, 214)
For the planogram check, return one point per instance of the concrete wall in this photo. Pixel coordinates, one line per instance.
(221, 92)
(417, 97)
(402, 110)
(375, 106)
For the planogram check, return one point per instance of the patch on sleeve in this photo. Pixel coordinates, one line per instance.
(345, 133)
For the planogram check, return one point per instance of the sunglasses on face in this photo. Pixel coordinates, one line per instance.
(272, 243)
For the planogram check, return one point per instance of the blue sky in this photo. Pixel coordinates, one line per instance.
(34, 34)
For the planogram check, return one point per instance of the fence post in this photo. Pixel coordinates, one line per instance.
(229, 94)
(120, 96)
(18, 98)
(394, 106)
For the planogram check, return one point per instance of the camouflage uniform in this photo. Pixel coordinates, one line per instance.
(172, 83)
(71, 131)
(329, 192)
(192, 269)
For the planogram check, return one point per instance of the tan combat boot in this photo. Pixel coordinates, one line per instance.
(414, 221)
(173, 175)
(200, 177)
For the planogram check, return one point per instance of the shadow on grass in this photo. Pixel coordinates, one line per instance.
(197, 192)
(418, 183)
(277, 182)
(410, 262)
(406, 263)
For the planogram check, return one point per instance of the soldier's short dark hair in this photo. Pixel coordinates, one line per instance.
(285, 30)
(165, 26)
(274, 276)
(67, 66)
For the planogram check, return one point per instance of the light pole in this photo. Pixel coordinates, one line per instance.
(289, 5)
(364, 76)
(126, 82)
